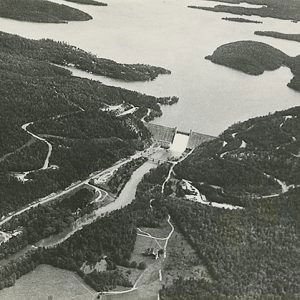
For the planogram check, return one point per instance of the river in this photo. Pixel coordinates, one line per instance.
(126, 196)
(168, 34)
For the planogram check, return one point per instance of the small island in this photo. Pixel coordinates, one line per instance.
(241, 20)
(88, 2)
(279, 35)
(40, 11)
(254, 58)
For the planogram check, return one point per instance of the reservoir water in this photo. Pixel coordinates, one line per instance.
(168, 34)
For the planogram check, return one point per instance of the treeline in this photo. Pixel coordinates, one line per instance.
(63, 54)
(105, 281)
(40, 11)
(249, 253)
(17, 268)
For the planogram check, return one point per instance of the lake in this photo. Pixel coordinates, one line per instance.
(168, 34)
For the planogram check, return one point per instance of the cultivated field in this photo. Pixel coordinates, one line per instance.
(46, 281)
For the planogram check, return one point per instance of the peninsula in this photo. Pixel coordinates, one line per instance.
(285, 10)
(278, 35)
(67, 55)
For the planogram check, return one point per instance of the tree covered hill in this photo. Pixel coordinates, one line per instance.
(249, 57)
(251, 253)
(254, 58)
(41, 11)
(257, 157)
(69, 109)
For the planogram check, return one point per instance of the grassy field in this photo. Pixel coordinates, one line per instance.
(182, 261)
(47, 281)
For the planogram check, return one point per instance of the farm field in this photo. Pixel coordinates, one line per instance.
(46, 281)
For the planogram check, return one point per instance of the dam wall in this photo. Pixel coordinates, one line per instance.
(167, 136)
(164, 135)
(197, 139)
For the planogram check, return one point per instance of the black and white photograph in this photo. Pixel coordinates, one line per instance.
(150, 149)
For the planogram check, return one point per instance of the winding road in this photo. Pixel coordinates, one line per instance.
(171, 169)
(46, 162)
(72, 187)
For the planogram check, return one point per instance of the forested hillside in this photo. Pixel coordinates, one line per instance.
(252, 159)
(250, 254)
(69, 112)
(64, 54)
(111, 237)
(41, 11)
(252, 251)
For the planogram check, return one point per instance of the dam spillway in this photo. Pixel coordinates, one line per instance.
(163, 135)
(170, 137)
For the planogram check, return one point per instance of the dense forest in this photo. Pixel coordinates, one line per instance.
(68, 111)
(254, 58)
(43, 221)
(286, 10)
(269, 156)
(111, 237)
(279, 35)
(250, 254)
(41, 11)
(63, 54)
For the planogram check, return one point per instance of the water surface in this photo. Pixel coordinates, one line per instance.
(168, 34)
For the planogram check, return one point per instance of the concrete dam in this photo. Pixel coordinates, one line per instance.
(178, 141)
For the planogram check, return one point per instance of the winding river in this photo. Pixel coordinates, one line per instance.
(168, 34)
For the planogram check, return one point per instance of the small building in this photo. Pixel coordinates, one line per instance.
(154, 253)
